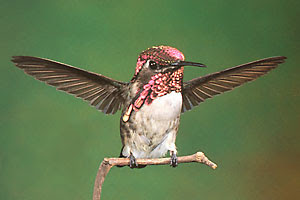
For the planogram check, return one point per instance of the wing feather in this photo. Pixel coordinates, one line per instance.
(199, 89)
(104, 93)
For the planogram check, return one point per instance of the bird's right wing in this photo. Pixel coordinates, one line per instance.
(199, 89)
(104, 93)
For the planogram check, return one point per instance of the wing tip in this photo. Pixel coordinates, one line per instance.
(282, 57)
(20, 59)
(279, 59)
(15, 59)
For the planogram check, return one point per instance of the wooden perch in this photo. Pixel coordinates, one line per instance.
(108, 163)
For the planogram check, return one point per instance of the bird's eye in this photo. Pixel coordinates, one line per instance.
(153, 65)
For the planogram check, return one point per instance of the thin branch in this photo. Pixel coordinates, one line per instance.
(108, 163)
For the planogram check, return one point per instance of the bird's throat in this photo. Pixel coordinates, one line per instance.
(159, 85)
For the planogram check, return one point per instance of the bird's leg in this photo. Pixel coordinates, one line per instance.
(174, 160)
(132, 163)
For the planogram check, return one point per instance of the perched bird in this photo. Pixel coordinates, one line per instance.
(153, 100)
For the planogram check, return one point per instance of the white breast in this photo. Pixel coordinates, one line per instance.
(155, 132)
(167, 107)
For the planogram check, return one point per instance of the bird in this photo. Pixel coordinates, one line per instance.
(152, 102)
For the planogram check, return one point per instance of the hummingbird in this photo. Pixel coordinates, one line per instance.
(152, 102)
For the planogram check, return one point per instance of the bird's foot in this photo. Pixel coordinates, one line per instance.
(174, 160)
(132, 163)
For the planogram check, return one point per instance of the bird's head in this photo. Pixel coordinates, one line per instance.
(161, 60)
(159, 71)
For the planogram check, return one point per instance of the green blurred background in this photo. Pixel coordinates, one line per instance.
(51, 144)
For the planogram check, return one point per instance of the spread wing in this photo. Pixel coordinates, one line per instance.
(102, 92)
(199, 89)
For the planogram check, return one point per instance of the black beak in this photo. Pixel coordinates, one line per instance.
(186, 63)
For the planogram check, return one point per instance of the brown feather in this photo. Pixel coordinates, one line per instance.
(199, 89)
(99, 90)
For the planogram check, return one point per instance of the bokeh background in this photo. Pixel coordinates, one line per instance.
(51, 144)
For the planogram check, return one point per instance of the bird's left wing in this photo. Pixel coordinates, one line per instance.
(199, 89)
(104, 93)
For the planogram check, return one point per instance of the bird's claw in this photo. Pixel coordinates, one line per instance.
(174, 160)
(132, 163)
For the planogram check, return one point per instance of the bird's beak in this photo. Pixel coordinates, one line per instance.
(186, 63)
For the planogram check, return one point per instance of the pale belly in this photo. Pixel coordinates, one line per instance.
(156, 128)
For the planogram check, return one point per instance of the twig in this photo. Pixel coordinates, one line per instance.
(108, 163)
